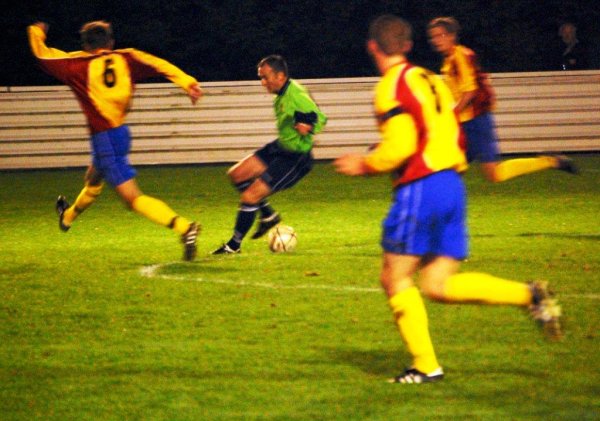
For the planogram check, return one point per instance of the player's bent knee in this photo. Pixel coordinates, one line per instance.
(434, 296)
(256, 192)
(433, 290)
(251, 198)
(129, 200)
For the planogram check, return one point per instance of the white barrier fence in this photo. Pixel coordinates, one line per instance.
(43, 127)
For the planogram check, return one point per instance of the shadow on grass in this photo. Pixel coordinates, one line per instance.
(386, 363)
(376, 362)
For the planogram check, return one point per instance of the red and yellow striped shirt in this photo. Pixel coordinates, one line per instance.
(103, 82)
(420, 133)
(462, 73)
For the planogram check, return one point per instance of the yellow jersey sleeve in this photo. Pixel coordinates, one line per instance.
(396, 127)
(146, 64)
(398, 143)
(37, 42)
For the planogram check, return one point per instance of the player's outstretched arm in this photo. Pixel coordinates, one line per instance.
(147, 65)
(37, 41)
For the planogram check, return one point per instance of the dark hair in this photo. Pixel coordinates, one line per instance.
(275, 62)
(391, 33)
(450, 24)
(97, 34)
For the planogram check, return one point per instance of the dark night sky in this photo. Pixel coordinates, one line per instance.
(223, 40)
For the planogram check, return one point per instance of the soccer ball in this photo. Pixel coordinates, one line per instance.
(282, 238)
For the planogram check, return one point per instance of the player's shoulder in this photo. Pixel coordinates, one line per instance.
(78, 54)
(128, 51)
(463, 50)
(297, 92)
(135, 55)
(296, 87)
(416, 69)
(420, 73)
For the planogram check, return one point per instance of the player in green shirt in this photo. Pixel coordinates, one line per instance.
(279, 164)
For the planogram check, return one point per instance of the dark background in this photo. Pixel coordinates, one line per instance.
(223, 40)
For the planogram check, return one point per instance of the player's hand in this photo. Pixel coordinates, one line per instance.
(350, 164)
(303, 129)
(43, 26)
(195, 93)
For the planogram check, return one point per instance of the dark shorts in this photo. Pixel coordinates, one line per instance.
(427, 217)
(482, 142)
(284, 168)
(110, 150)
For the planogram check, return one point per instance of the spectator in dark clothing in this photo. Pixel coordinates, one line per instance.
(574, 55)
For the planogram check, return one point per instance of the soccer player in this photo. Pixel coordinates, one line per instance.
(279, 164)
(474, 103)
(103, 81)
(424, 232)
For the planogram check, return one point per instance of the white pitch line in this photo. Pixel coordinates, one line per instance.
(151, 271)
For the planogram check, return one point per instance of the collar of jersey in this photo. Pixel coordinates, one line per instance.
(284, 88)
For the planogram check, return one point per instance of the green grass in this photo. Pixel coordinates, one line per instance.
(303, 336)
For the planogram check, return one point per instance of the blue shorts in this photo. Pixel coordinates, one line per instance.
(110, 151)
(482, 141)
(284, 168)
(427, 217)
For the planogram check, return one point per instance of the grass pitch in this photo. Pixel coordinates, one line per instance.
(105, 322)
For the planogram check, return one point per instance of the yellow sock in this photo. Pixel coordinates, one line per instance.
(86, 197)
(477, 287)
(159, 212)
(411, 318)
(512, 168)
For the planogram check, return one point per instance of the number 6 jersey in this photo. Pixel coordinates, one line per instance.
(103, 81)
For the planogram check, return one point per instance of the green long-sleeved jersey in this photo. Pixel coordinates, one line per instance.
(293, 104)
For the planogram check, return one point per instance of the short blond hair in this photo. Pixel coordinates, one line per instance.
(450, 24)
